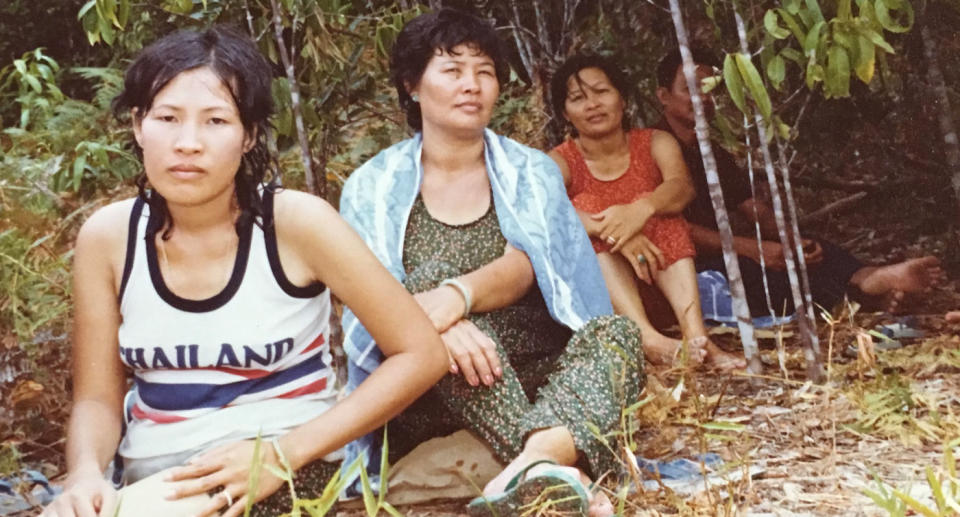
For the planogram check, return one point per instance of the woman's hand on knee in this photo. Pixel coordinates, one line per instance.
(85, 495)
(472, 353)
(444, 305)
(227, 470)
(619, 223)
(644, 257)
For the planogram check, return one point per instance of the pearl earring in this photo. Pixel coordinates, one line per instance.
(415, 98)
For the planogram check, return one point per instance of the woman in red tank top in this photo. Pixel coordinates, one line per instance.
(629, 187)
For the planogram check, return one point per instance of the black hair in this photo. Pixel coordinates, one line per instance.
(441, 30)
(235, 59)
(670, 63)
(572, 67)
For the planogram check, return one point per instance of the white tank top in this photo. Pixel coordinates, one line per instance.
(253, 359)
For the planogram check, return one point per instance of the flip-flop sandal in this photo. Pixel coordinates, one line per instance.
(552, 489)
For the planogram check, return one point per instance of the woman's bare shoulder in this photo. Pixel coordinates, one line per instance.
(108, 224)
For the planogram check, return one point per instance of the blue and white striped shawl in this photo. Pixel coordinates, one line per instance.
(535, 216)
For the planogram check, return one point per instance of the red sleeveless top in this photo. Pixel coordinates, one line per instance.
(669, 233)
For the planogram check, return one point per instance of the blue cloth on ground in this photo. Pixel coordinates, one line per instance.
(535, 217)
(716, 302)
(41, 492)
(681, 468)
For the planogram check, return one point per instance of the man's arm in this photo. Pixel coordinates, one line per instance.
(708, 241)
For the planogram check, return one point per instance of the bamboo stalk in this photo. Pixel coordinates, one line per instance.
(740, 307)
(304, 141)
(792, 251)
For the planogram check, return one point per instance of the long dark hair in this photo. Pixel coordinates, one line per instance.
(572, 67)
(234, 58)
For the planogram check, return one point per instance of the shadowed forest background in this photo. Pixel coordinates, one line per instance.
(857, 94)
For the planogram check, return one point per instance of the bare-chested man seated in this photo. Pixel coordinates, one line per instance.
(833, 271)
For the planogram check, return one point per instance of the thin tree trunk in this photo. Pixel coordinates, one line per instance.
(312, 186)
(523, 44)
(756, 216)
(808, 335)
(740, 307)
(246, 9)
(527, 56)
(944, 113)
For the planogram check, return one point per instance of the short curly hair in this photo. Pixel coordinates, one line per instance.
(441, 30)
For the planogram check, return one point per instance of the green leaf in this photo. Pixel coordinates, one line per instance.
(838, 72)
(79, 165)
(883, 8)
(877, 40)
(86, 7)
(33, 82)
(915, 505)
(793, 55)
(792, 6)
(731, 77)
(106, 30)
(813, 7)
(866, 60)
(720, 425)
(783, 130)
(253, 480)
(637, 405)
(771, 23)
(20, 65)
(777, 71)
(937, 489)
(91, 26)
(384, 468)
(123, 13)
(812, 39)
(792, 23)
(369, 500)
(843, 10)
(754, 83)
(387, 507)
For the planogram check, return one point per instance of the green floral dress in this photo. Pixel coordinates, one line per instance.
(549, 378)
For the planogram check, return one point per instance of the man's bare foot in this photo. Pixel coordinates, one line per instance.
(909, 276)
(665, 351)
(953, 317)
(720, 359)
(892, 301)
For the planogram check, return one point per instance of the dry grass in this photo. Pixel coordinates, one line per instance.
(819, 446)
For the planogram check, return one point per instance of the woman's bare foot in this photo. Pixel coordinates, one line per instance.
(719, 358)
(600, 504)
(665, 351)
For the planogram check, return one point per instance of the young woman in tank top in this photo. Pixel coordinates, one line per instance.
(213, 288)
(629, 188)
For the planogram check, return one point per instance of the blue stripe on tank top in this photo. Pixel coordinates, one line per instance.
(183, 396)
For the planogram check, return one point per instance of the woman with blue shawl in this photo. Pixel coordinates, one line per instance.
(479, 227)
